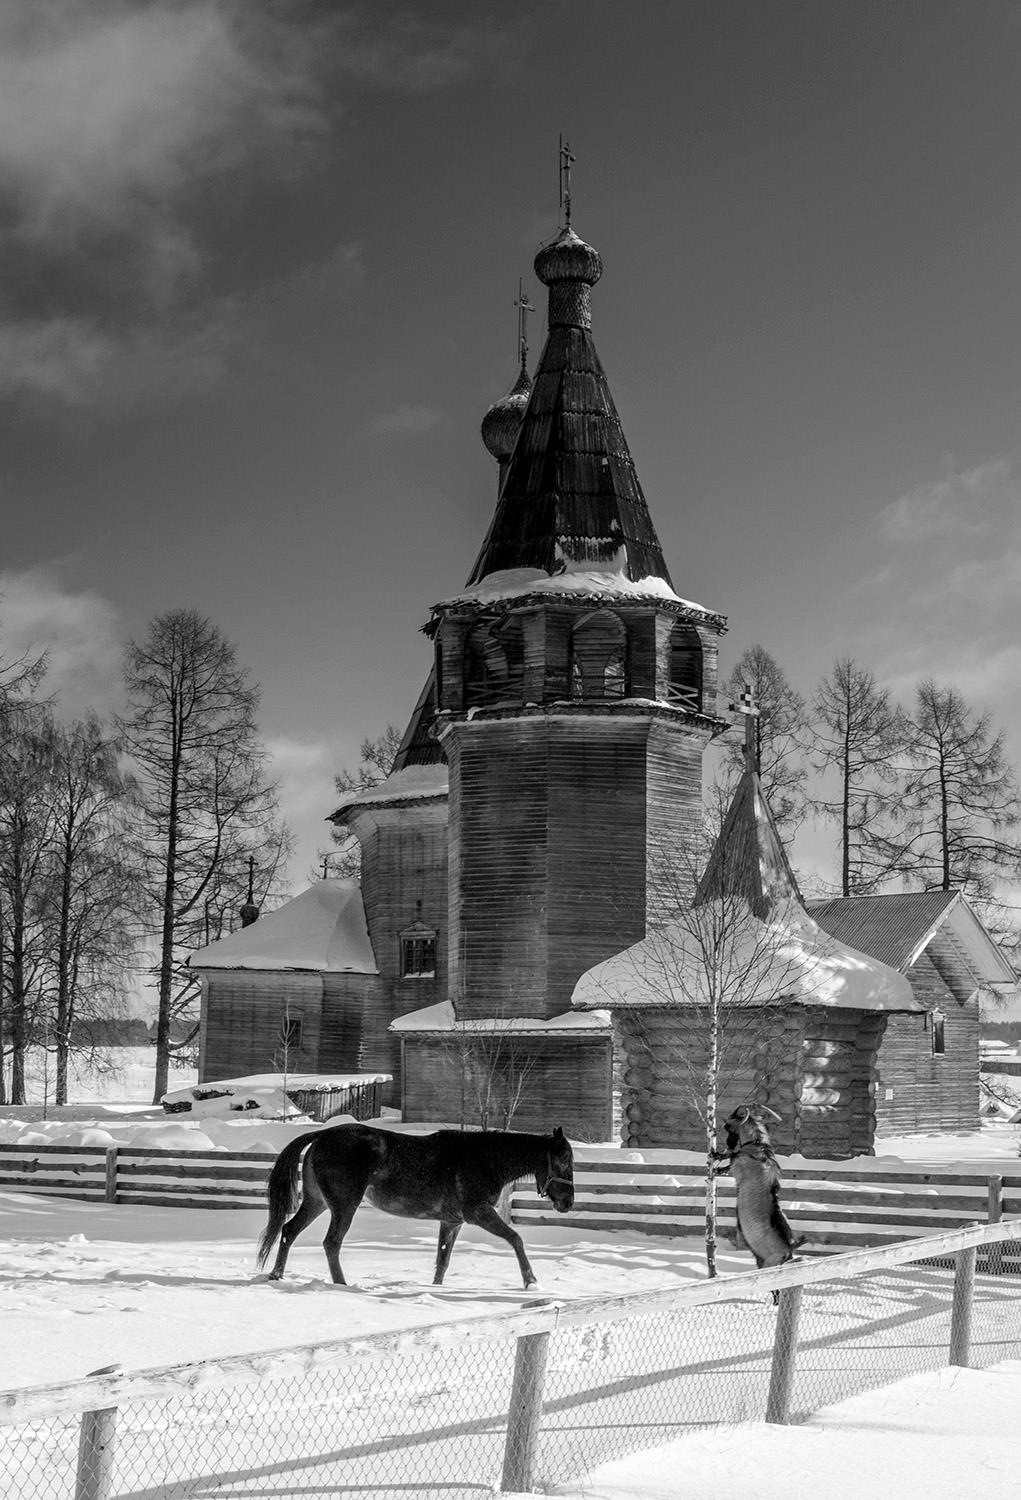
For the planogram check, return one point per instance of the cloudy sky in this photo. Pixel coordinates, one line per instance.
(257, 270)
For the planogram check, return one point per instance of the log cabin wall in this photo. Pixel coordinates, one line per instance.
(243, 1013)
(834, 1099)
(810, 1064)
(566, 1081)
(918, 1091)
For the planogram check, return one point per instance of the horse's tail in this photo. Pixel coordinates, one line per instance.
(282, 1191)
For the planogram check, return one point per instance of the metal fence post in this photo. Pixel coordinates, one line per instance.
(960, 1316)
(96, 1440)
(524, 1416)
(785, 1347)
(994, 1214)
(111, 1174)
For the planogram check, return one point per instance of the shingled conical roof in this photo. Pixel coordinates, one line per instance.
(749, 858)
(571, 500)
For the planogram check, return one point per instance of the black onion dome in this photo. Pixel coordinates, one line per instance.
(502, 422)
(568, 258)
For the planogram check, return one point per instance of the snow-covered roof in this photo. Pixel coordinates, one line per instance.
(784, 957)
(609, 584)
(442, 1017)
(322, 929)
(412, 784)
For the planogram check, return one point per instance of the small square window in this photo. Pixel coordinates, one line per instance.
(418, 956)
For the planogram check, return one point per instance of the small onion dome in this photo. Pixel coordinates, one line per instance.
(248, 913)
(502, 422)
(568, 258)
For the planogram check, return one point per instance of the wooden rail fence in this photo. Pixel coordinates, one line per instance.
(835, 1207)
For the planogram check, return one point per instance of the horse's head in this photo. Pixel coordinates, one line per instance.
(556, 1180)
(747, 1126)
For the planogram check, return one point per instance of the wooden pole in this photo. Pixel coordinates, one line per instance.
(524, 1416)
(111, 1174)
(960, 1316)
(96, 1447)
(994, 1215)
(785, 1348)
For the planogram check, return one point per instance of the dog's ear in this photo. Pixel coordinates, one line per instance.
(558, 1133)
(742, 1113)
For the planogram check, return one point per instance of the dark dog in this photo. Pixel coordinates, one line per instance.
(762, 1226)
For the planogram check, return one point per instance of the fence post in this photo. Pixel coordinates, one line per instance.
(524, 1415)
(96, 1440)
(994, 1263)
(785, 1347)
(960, 1315)
(111, 1174)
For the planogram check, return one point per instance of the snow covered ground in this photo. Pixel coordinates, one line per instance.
(942, 1435)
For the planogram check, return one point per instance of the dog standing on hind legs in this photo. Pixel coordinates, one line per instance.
(762, 1226)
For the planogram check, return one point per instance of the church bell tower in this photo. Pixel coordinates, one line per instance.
(575, 690)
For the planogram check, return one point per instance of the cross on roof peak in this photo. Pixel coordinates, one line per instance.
(566, 163)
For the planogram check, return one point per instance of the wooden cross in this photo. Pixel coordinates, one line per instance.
(524, 307)
(747, 706)
(566, 163)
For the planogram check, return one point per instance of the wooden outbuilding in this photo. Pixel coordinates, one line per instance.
(796, 1017)
(927, 1070)
(299, 988)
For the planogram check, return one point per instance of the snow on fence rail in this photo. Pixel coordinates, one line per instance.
(833, 1205)
(755, 1355)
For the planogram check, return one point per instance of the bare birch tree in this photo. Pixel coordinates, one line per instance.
(90, 892)
(691, 1001)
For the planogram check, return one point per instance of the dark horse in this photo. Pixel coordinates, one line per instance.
(454, 1176)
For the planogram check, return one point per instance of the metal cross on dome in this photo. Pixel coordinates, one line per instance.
(566, 163)
(524, 307)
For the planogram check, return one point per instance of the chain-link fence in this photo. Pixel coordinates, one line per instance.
(524, 1400)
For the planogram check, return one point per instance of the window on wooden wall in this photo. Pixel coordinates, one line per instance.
(685, 685)
(494, 663)
(418, 952)
(937, 1031)
(599, 656)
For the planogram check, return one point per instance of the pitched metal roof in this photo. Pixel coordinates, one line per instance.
(894, 927)
(748, 858)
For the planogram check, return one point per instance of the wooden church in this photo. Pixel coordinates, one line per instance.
(556, 747)
(550, 771)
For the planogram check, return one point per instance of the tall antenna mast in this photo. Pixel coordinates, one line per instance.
(566, 163)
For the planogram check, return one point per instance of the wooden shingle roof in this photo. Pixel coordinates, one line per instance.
(749, 858)
(571, 497)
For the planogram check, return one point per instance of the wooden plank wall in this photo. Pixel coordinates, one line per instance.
(566, 1084)
(929, 1093)
(242, 1018)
